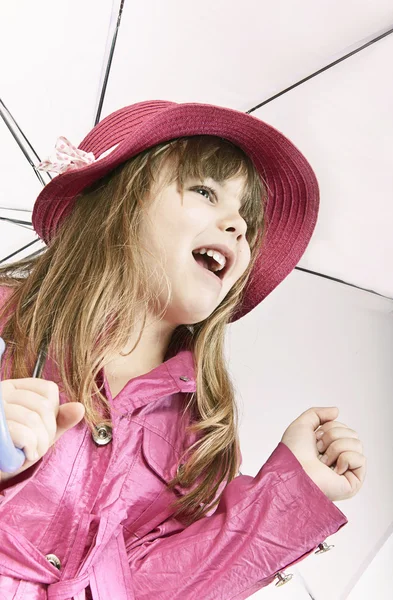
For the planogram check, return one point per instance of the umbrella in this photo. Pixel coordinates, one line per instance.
(315, 71)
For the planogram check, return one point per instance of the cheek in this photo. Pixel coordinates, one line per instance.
(244, 259)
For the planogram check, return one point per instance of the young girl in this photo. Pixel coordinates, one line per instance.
(168, 222)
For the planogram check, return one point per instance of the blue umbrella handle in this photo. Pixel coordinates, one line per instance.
(11, 458)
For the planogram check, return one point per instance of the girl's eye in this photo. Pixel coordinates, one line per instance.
(209, 193)
(205, 191)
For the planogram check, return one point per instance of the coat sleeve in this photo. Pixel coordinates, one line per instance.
(262, 525)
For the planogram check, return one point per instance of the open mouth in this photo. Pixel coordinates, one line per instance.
(209, 264)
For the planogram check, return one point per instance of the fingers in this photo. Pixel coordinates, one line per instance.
(342, 447)
(317, 416)
(25, 438)
(338, 447)
(31, 422)
(41, 405)
(352, 465)
(16, 388)
(333, 434)
(329, 425)
(351, 460)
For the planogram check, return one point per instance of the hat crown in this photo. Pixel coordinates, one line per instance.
(120, 124)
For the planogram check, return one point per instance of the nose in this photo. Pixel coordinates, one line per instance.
(232, 221)
(238, 225)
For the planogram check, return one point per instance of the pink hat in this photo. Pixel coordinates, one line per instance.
(293, 192)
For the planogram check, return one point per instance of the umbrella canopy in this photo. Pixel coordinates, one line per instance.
(318, 72)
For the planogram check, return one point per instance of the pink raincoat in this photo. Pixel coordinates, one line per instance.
(100, 513)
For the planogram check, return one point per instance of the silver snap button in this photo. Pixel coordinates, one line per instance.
(283, 578)
(52, 558)
(323, 548)
(184, 378)
(102, 435)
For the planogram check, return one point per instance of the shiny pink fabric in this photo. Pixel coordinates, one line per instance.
(104, 511)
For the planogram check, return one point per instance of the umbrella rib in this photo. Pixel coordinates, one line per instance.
(320, 71)
(23, 248)
(358, 287)
(107, 62)
(22, 141)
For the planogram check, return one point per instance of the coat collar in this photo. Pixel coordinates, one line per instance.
(176, 374)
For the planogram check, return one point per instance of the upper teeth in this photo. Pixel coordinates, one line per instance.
(220, 258)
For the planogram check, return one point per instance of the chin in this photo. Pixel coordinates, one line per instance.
(190, 317)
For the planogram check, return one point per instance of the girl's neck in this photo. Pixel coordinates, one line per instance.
(149, 353)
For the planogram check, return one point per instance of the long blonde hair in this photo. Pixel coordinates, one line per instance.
(93, 272)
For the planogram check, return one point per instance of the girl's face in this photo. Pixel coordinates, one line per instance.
(178, 226)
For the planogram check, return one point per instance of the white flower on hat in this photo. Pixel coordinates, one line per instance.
(67, 157)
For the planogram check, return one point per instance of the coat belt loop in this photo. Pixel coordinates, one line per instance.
(112, 578)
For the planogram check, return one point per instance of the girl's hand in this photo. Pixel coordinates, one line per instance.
(340, 445)
(35, 418)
